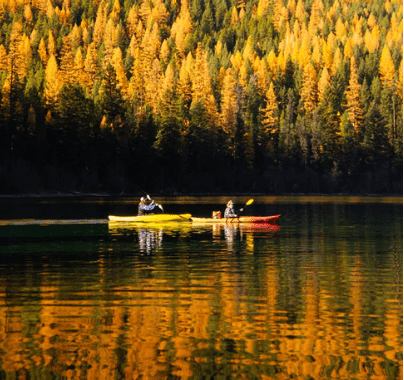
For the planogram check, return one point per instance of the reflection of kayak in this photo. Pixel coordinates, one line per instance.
(151, 218)
(168, 227)
(241, 219)
(257, 227)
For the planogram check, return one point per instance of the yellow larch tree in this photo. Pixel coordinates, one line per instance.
(270, 118)
(304, 54)
(3, 58)
(132, 21)
(200, 76)
(234, 16)
(111, 36)
(337, 59)
(372, 22)
(316, 53)
(237, 61)
(26, 51)
(272, 63)
(115, 15)
(5, 101)
(291, 7)
(202, 91)
(181, 28)
(331, 40)
(371, 39)
(229, 107)
(49, 9)
(90, 67)
(133, 45)
(136, 90)
(28, 14)
(327, 55)
(278, 14)
(151, 45)
(51, 44)
(332, 11)
(243, 76)
(100, 22)
(64, 14)
(262, 9)
(218, 48)
(145, 11)
(52, 81)
(152, 85)
(140, 31)
(297, 29)
(79, 72)
(248, 52)
(84, 33)
(357, 35)
(340, 30)
(33, 36)
(184, 84)
(309, 91)
(323, 84)
(17, 68)
(165, 52)
(42, 51)
(67, 61)
(76, 36)
(400, 81)
(300, 12)
(288, 43)
(167, 81)
(281, 61)
(317, 16)
(117, 64)
(348, 48)
(353, 96)
(159, 12)
(262, 76)
(386, 67)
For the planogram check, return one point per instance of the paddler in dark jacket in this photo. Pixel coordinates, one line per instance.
(148, 206)
(229, 212)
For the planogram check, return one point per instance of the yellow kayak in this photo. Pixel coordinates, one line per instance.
(151, 218)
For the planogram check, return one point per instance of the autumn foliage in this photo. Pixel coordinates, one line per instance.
(213, 95)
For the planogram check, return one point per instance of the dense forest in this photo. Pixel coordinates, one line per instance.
(184, 96)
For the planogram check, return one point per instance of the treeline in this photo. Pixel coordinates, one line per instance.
(201, 95)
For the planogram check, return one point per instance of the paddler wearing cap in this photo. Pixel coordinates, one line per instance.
(229, 212)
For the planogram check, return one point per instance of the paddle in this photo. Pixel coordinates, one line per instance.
(250, 201)
(157, 204)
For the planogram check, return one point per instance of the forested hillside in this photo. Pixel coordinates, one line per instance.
(201, 95)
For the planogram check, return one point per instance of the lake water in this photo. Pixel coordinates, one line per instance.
(318, 295)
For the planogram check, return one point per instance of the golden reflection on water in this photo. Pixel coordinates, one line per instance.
(250, 318)
(197, 327)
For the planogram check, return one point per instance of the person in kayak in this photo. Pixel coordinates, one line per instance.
(229, 212)
(149, 206)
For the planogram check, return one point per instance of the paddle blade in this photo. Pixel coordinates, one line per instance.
(249, 202)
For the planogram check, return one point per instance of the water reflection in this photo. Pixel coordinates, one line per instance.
(150, 240)
(318, 298)
(213, 318)
(150, 236)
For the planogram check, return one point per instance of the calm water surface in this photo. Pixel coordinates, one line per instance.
(319, 295)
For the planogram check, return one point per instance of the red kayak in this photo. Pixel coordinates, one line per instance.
(241, 219)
